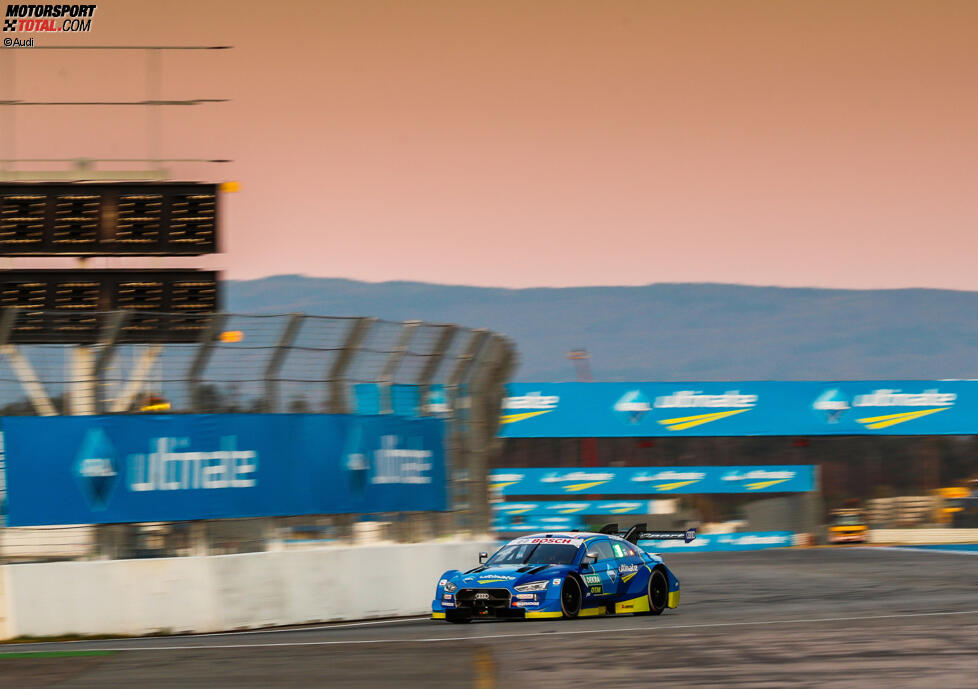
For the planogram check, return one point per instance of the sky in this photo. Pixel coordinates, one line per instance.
(509, 143)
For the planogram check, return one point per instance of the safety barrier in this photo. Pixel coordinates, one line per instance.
(3, 606)
(923, 536)
(225, 592)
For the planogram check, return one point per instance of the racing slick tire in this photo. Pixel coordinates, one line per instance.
(658, 593)
(571, 597)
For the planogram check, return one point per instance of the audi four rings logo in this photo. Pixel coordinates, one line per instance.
(482, 596)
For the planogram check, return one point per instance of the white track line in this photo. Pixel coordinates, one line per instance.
(910, 549)
(243, 632)
(544, 634)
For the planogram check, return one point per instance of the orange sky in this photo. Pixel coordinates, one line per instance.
(828, 143)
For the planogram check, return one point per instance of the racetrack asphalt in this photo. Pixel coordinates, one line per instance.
(820, 617)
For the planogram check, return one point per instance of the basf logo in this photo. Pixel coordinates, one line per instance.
(96, 466)
(834, 404)
(731, 402)
(632, 406)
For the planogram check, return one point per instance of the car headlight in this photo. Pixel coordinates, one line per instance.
(449, 587)
(532, 586)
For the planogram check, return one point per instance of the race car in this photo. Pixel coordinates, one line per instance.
(567, 574)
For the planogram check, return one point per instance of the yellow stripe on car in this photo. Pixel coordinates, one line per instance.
(591, 612)
(640, 604)
(437, 615)
(539, 615)
(673, 599)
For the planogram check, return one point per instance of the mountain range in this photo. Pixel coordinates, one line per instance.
(671, 332)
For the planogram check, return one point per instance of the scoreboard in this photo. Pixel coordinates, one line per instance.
(87, 219)
(108, 219)
(68, 306)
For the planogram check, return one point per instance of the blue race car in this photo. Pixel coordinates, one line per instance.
(568, 574)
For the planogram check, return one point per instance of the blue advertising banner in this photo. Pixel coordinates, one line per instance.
(136, 468)
(564, 523)
(756, 540)
(541, 509)
(593, 410)
(651, 480)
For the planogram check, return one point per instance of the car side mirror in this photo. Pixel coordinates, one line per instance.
(588, 560)
(483, 557)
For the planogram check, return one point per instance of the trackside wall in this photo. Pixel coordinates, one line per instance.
(3, 605)
(225, 592)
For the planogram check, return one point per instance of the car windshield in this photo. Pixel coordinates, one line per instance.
(535, 554)
(848, 520)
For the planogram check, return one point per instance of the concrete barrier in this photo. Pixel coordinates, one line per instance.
(3, 606)
(225, 592)
(51, 542)
(923, 536)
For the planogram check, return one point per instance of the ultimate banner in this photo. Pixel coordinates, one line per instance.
(141, 468)
(603, 410)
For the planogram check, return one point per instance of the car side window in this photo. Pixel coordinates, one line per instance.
(603, 550)
(623, 550)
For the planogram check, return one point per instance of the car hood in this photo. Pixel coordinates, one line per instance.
(511, 575)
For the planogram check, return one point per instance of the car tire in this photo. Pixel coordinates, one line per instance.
(571, 597)
(658, 593)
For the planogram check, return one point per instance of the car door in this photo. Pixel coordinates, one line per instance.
(601, 578)
(628, 563)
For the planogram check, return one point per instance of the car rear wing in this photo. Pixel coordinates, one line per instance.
(638, 533)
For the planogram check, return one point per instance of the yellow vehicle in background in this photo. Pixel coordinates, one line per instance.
(952, 498)
(848, 526)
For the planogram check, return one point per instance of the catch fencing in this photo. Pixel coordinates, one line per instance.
(268, 364)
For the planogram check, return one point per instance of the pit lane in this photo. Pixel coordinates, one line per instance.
(836, 617)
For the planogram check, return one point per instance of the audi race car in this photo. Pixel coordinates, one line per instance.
(567, 574)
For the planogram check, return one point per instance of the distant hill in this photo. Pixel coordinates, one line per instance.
(672, 331)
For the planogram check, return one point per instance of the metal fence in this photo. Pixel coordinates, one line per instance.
(290, 363)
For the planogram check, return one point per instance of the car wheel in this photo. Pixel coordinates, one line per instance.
(658, 593)
(570, 597)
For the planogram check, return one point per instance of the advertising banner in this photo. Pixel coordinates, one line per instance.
(653, 480)
(596, 410)
(541, 509)
(757, 540)
(137, 468)
(532, 524)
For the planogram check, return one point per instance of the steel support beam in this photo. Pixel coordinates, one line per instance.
(337, 401)
(138, 377)
(107, 346)
(205, 348)
(274, 365)
(435, 357)
(386, 378)
(81, 389)
(22, 367)
(481, 431)
(457, 446)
